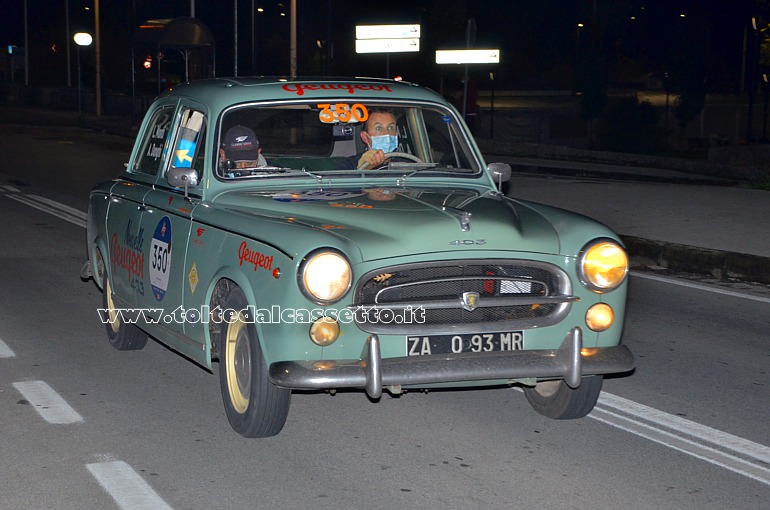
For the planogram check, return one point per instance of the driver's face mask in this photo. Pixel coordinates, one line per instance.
(385, 143)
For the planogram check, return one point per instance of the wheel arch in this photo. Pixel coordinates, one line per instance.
(219, 285)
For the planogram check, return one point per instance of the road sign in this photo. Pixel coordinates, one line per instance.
(486, 56)
(387, 31)
(387, 45)
(387, 38)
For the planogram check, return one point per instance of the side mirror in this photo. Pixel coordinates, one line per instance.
(182, 178)
(500, 172)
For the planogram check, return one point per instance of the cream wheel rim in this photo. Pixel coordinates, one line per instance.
(238, 364)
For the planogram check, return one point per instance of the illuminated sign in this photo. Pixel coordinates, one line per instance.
(387, 38)
(387, 31)
(387, 45)
(488, 56)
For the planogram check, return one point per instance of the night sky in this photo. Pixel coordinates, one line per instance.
(540, 42)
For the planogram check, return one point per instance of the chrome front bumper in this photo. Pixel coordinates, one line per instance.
(372, 372)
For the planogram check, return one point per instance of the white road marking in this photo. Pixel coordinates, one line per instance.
(60, 211)
(711, 445)
(711, 455)
(7, 187)
(127, 488)
(5, 351)
(698, 286)
(684, 426)
(77, 213)
(48, 404)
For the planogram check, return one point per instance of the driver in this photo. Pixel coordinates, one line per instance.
(380, 135)
(242, 148)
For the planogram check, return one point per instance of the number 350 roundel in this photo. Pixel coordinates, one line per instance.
(160, 258)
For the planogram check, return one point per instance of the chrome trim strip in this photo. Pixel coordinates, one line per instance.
(458, 279)
(483, 302)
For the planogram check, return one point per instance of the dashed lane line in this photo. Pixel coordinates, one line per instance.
(127, 488)
(48, 404)
(5, 351)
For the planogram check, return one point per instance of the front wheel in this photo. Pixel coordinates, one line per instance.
(556, 400)
(122, 336)
(254, 406)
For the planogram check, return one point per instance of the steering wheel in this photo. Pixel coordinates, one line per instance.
(389, 155)
(404, 155)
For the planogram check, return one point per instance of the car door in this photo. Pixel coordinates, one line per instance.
(127, 257)
(166, 222)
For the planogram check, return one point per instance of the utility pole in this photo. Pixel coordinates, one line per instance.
(293, 48)
(98, 61)
(235, 38)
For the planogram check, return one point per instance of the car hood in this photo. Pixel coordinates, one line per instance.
(389, 222)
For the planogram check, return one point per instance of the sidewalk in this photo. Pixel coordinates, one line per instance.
(699, 227)
(670, 219)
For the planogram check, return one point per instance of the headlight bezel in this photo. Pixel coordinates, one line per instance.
(307, 264)
(588, 278)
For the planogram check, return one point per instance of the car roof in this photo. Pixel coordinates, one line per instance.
(219, 93)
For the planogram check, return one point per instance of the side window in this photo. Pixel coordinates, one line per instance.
(155, 143)
(189, 149)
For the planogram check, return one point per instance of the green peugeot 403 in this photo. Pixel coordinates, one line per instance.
(253, 226)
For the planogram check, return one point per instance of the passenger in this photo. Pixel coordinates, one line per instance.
(240, 145)
(380, 135)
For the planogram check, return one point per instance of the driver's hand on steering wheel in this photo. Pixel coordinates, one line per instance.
(371, 159)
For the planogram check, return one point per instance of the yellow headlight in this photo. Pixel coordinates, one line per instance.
(326, 276)
(603, 266)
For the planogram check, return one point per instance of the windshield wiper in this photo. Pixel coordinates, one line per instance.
(269, 171)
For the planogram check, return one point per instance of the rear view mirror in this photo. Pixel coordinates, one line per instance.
(182, 178)
(500, 172)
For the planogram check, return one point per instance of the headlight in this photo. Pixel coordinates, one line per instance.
(603, 265)
(325, 276)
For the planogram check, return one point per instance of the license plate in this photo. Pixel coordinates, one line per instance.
(455, 344)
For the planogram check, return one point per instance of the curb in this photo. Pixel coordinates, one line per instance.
(722, 265)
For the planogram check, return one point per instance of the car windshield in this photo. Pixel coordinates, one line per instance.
(336, 138)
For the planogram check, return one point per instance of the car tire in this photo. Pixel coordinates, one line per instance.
(122, 336)
(255, 407)
(556, 400)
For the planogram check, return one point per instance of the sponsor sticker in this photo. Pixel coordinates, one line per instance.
(160, 258)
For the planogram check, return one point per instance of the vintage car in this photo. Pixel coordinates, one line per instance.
(302, 268)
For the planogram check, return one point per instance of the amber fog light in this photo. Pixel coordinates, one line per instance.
(324, 331)
(600, 317)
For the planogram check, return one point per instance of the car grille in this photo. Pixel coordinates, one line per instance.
(462, 297)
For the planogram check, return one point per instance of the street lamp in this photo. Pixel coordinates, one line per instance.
(81, 39)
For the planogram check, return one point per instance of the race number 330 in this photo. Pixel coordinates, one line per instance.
(160, 258)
